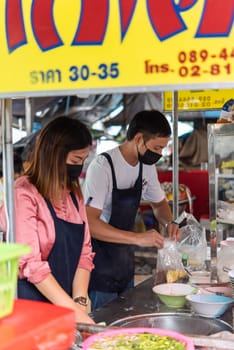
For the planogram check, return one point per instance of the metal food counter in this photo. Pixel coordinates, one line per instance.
(142, 301)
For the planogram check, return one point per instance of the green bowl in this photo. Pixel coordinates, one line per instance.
(173, 294)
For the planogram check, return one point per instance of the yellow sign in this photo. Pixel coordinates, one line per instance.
(198, 99)
(57, 46)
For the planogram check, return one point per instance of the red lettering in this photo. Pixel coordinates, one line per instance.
(43, 25)
(92, 26)
(164, 18)
(217, 18)
(185, 4)
(126, 12)
(14, 25)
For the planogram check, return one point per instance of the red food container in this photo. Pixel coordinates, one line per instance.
(37, 326)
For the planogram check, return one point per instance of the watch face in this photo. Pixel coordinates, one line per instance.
(81, 300)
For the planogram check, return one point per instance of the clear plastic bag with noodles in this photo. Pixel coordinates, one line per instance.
(193, 243)
(169, 266)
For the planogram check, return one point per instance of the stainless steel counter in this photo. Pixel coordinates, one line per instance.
(142, 300)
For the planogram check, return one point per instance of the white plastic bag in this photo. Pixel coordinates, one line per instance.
(193, 243)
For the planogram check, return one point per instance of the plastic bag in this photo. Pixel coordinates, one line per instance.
(193, 242)
(169, 267)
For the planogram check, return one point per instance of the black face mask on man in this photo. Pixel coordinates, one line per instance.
(74, 171)
(149, 157)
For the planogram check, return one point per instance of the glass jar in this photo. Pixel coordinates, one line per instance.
(225, 259)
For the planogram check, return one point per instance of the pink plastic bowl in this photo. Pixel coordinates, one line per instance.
(87, 344)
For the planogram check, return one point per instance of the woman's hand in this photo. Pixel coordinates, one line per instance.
(82, 315)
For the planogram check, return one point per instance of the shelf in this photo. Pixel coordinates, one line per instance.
(225, 221)
(226, 175)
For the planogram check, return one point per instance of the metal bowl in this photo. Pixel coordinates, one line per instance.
(178, 322)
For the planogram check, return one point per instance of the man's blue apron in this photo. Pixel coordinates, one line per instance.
(63, 258)
(114, 262)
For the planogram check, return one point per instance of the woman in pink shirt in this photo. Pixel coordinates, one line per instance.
(50, 216)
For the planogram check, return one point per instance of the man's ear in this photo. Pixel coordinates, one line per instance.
(138, 137)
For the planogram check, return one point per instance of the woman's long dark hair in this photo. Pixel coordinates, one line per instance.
(47, 170)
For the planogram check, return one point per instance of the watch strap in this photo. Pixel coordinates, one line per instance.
(81, 300)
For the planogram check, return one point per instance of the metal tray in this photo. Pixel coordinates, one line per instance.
(178, 322)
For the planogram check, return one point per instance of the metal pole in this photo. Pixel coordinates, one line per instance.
(28, 115)
(124, 122)
(175, 167)
(8, 168)
(212, 203)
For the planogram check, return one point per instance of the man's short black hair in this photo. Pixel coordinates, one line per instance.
(150, 123)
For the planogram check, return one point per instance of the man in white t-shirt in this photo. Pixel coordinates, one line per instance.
(115, 183)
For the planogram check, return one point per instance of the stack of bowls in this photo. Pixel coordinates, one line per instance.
(231, 278)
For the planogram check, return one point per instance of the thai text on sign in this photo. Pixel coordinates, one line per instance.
(115, 44)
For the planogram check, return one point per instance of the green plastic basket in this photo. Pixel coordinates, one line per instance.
(9, 256)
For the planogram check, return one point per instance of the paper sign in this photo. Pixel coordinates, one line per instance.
(198, 99)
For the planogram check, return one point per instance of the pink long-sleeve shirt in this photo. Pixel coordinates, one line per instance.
(34, 226)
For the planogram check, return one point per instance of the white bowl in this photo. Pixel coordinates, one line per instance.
(208, 305)
(173, 294)
(226, 291)
(199, 277)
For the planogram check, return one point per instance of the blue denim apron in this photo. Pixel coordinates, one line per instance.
(114, 262)
(63, 258)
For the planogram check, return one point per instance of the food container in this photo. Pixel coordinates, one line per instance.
(231, 278)
(209, 305)
(225, 261)
(88, 344)
(219, 290)
(35, 325)
(173, 294)
(9, 254)
(181, 322)
(200, 277)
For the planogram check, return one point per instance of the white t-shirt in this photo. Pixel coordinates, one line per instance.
(97, 187)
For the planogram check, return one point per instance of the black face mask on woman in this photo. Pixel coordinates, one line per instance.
(149, 157)
(74, 171)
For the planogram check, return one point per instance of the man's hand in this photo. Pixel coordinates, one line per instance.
(173, 231)
(150, 238)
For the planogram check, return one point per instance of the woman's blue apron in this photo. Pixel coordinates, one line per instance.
(63, 258)
(114, 262)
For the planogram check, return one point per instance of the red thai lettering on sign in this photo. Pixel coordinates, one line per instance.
(44, 26)
(159, 13)
(165, 18)
(15, 25)
(127, 9)
(214, 21)
(93, 22)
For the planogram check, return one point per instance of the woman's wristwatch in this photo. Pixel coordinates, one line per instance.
(81, 300)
